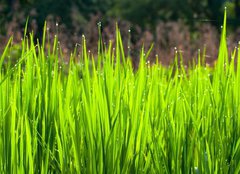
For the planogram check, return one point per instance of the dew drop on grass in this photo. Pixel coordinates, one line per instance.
(113, 105)
(197, 170)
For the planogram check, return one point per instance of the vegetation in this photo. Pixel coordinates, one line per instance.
(102, 116)
(151, 11)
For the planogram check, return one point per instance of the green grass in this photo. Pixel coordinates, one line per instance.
(105, 117)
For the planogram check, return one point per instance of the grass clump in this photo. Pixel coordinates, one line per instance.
(108, 118)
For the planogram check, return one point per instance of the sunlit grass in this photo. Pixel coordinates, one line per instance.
(105, 117)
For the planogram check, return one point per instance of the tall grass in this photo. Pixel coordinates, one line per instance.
(104, 117)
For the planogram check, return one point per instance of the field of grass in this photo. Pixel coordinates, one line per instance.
(105, 117)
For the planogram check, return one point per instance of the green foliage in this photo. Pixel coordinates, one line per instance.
(145, 13)
(110, 119)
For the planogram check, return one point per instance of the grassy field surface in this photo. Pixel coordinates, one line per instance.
(99, 115)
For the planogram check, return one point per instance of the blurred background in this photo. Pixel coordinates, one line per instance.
(187, 25)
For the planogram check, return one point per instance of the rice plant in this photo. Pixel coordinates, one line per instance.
(99, 115)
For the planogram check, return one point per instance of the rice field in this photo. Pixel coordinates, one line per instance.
(99, 115)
